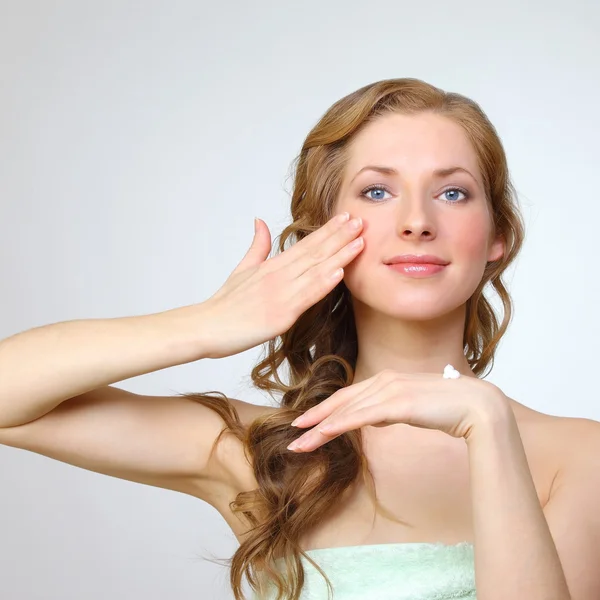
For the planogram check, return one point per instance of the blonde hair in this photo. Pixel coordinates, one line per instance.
(296, 491)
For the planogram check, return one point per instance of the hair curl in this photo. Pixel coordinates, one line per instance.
(297, 490)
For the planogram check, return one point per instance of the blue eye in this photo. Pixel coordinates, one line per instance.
(374, 187)
(379, 187)
(460, 191)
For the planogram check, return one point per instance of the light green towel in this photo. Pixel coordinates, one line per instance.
(402, 571)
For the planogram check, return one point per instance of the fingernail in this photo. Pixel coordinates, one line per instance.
(293, 446)
(295, 422)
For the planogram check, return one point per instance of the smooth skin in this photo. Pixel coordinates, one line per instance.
(163, 441)
(57, 397)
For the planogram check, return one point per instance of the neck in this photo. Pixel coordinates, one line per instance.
(409, 346)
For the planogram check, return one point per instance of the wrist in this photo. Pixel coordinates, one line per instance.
(187, 332)
(495, 415)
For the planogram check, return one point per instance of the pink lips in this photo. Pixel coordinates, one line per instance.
(417, 270)
(418, 266)
(429, 259)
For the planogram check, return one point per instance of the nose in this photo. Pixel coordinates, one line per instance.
(414, 219)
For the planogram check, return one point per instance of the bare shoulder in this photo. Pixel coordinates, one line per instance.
(572, 451)
(564, 440)
(578, 437)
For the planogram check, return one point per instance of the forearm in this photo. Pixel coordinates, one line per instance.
(42, 367)
(515, 555)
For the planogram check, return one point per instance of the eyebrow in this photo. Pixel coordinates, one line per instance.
(391, 171)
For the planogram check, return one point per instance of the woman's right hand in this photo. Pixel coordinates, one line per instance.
(263, 298)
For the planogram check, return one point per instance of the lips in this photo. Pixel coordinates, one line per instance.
(417, 259)
(416, 270)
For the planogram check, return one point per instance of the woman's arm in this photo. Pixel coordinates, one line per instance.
(515, 552)
(42, 367)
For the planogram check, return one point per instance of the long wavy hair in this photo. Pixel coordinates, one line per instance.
(297, 490)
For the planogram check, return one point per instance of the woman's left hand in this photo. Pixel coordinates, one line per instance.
(454, 406)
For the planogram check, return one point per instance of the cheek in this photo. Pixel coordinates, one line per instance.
(367, 262)
(470, 239)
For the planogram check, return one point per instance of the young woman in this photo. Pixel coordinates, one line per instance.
(425, 486)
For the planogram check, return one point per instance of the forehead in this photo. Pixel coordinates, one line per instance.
(421, 142)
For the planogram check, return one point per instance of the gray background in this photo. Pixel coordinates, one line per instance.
(137, 142)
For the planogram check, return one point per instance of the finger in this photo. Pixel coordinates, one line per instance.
(339, 244)
(314, 284)
(259, 250)
(321, 411)
(310, 441)
(373, 414)
(333, 252)
(317, 247)
(337, 425)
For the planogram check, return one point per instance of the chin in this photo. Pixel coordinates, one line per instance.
(405, 302)
(406, 307)
(415, 312)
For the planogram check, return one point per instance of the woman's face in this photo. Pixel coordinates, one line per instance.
(416, 211)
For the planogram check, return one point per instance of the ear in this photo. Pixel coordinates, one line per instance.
(497, 249)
